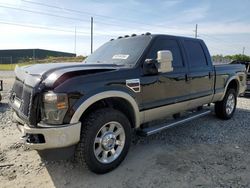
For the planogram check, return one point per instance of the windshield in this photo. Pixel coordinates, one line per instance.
(125, 51)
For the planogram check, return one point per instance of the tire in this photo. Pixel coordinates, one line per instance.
(97, 138)
(224, 109)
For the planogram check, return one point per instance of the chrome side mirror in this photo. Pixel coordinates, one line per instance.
(165, 58)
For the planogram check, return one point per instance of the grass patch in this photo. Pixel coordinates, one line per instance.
(8, 67)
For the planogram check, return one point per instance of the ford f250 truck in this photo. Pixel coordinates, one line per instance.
(90, 108)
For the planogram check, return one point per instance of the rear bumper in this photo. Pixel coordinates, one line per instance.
(50, 137)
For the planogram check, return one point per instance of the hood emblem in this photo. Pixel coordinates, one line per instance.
(134, 84)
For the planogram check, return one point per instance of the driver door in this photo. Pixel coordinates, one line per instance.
(165, 88)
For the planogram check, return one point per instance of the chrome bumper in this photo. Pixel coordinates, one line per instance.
(53, 137)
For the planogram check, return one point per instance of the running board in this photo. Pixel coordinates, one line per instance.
(157, 128)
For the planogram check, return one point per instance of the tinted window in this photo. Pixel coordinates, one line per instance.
(125, 51)
(167, 44)
(195, 54)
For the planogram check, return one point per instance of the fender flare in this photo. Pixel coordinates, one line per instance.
(103, 95)
(228, 82)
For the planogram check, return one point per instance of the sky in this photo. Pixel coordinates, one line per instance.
(65, 25)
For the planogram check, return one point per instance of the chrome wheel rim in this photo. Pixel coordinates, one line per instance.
(109, 142)
(230, 105)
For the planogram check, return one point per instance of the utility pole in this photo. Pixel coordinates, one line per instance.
(243, 51)
(75, 41)
(34, 54)
(196, 30)
(91, 42)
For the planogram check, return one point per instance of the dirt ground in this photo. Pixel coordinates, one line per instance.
(204, 153)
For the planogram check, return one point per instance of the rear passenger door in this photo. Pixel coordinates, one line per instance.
(200, 76)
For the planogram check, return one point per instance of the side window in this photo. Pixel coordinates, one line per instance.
(166, 44)
(195, 54)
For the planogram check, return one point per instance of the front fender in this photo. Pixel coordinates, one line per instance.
(107, 94)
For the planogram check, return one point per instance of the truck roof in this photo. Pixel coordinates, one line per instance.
(156, 35)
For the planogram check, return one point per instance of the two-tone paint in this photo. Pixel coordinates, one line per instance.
(158, 95)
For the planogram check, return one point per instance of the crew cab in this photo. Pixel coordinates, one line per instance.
(90, 108)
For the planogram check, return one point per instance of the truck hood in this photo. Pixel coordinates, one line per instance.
(33, 74)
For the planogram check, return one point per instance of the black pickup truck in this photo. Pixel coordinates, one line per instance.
(91, 108)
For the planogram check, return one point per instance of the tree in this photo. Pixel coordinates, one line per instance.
(229, 58)
(240, 57)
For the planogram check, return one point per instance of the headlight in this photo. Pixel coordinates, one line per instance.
(55, 106)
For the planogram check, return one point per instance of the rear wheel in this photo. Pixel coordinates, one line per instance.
(225, 109)
(105, 140)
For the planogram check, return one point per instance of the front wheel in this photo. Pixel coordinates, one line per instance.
(225, 109)
(105, 140)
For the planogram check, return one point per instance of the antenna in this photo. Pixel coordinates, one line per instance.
(91, 35)
(243, 51)
(196, 31)
(75, 40)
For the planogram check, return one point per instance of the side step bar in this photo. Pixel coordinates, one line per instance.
(157, 128)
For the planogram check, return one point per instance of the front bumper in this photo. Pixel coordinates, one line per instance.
(52, 137)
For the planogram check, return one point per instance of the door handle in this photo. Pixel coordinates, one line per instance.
(209, 75)
(188, 78)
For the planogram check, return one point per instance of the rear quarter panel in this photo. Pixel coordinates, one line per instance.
(226, 73)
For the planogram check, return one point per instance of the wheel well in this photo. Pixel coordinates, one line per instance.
(116, 103)
(233, 85)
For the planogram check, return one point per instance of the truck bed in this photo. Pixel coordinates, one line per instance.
(224, 72)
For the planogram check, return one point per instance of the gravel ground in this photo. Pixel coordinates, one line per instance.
(207, 152)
